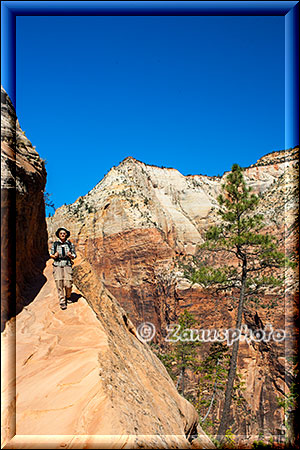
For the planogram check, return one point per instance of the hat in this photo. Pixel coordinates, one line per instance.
(62, 228)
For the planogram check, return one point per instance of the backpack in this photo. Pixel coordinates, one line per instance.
(56, 243)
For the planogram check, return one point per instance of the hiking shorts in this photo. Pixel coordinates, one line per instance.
(63, 273)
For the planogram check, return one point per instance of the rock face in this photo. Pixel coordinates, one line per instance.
(23, 225)
(83, 378)
(133, 224)
(139, 217)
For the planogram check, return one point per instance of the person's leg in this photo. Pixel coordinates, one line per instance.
(58, 277)
(61, 294)
(68, 277)
(68, 287)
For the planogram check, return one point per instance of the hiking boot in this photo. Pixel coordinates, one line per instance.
(63, 305)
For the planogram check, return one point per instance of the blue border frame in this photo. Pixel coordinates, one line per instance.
(290, 9)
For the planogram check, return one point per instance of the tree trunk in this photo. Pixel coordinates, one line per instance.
(179, 380)
(224, 423)
(183, 372)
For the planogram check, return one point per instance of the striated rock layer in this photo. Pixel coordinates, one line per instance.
(23, 226)
(139, 218)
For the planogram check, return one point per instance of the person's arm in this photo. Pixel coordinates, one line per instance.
(53, 253)
(72, 253)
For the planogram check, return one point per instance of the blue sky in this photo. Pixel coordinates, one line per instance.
(194, 93)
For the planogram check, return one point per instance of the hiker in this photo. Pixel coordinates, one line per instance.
(63, 253)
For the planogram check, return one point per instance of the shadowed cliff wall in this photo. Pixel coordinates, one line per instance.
(23, 227)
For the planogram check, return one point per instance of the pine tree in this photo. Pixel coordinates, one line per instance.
(185, 350)
(255, 257)
(212, 370)
(181, 353)
(48, 202)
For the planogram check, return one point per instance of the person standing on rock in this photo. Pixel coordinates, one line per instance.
(63, 253)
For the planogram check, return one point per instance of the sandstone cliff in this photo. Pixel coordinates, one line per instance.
(23, 226)
(138, 218)
(84, 380)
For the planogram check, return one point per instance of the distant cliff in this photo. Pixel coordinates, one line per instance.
(139, 217)
(134, 223)
(23, 227)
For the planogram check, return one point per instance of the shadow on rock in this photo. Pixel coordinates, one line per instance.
(15, 298)
(31, 290)
(75, 297)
